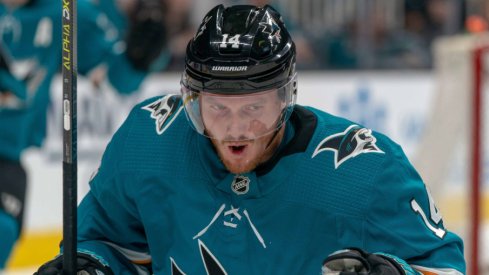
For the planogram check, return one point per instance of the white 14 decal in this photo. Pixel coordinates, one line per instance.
(233, 40)
(435, 215)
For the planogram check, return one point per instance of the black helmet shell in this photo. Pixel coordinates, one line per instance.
(238, 50)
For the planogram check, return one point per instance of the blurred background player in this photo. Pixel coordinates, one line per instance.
(30, 39)
(12, 176)
(140, 25)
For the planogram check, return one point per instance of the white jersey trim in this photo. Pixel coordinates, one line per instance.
(438, 271)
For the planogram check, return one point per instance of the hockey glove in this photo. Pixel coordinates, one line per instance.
(86, 265)
(147, 34)
(356, 261)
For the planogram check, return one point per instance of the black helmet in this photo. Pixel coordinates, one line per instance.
(239, 50)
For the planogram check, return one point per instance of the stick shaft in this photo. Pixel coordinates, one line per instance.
(69, 71)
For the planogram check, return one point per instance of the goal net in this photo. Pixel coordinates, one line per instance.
(452, 156)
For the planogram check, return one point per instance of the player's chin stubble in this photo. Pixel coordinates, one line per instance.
(248, 165)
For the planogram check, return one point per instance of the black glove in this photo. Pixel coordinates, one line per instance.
(4, 64)
(356, 261)
(147, 34)
(86, 265)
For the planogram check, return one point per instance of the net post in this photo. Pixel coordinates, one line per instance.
(476, 159)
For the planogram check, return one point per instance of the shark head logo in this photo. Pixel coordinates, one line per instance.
(271, 28)
(164, 111)
(349, 144)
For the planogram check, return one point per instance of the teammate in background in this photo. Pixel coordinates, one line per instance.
(30, 39)
(232, 177)
(176, 25)
(12, 91)
(141, 23)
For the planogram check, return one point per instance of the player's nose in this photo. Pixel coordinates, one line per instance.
(236, 125)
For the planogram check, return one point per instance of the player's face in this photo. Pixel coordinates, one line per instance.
(242, 127)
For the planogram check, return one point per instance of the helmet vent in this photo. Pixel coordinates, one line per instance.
(237, 20)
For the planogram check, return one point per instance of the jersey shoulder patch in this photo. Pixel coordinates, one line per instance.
(350, 143)
(164, 111)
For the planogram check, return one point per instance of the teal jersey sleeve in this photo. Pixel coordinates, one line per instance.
(109, 222)
(381, 203)
(403, 216)
(124, 252)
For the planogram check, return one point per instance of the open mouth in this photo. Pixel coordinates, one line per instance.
(237, 149)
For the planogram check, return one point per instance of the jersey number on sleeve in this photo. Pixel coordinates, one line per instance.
(435, 215)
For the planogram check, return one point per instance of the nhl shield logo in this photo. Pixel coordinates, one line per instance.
(240, 184)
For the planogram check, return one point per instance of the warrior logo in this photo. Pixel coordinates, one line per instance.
(164, 111)
(230, 68)
(349, 144)
(240, 185)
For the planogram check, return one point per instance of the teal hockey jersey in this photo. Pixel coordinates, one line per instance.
(162, 197)
(31, 37)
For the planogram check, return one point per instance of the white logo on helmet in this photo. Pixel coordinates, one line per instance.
(230, 68)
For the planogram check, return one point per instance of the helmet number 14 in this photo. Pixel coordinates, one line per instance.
(233, 40)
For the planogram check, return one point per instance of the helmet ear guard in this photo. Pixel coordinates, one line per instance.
(238, 51)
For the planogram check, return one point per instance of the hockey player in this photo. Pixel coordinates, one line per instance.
(232, 177)
(141, 24)
(30, 42)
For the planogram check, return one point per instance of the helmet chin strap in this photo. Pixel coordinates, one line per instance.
(278, 128)
(275, 133)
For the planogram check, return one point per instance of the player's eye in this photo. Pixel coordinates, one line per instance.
(253, 108)
(217, 107)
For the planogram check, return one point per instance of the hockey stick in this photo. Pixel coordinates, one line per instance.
(69, 71)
